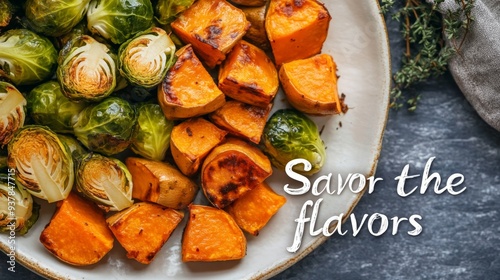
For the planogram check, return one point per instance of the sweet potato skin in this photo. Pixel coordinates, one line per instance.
(211, 235)
(254, 210)
(77, 233)
(232, 169)
(191, 141)
(296, 29)
(188, 90)
(312, 94)
(161, 183)
(250, 3)
(144, 228)
(249, 75)
(242, 120)
(212, 27)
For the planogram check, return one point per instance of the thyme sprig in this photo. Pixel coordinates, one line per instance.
(424, 29)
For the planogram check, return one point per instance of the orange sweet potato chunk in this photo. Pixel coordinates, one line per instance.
(211, 235)
(232, 169)
(212, 27)
(242, 120)
(249, 75)
(296, 29)
(188, 90)
(144, 228)
(191, 141)
(254, 210)
(312, 94)
(77, 233)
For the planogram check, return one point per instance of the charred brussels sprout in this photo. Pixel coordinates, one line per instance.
(87, 69)
(168, 10)
(289, 135)
(6, 11)
(12, 112)
(119, 20)
(151, 138)
(17, 210)
(55, 17)
(145, 59)
(25, 57)
(43, 163)
(106, 181)
(106, 127)
(47, 105)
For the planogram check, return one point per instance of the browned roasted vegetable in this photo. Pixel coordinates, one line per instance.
(251, 3)
(143, 229)
(77, 233)
(256, 34)
(191, 141)
(212, 27)
(312, 94)
(211, 235)
(249, 75)
(296, 29)
(253, 210)
(242, 120)
(232, 169)
(161, 183)
(188, 90)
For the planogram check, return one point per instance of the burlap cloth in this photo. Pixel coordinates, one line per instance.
(476, 69)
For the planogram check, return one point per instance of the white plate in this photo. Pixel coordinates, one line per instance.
(358, 42)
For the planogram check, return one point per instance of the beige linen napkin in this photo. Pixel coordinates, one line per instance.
(476, 69)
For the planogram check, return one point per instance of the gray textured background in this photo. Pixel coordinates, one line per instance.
(461, 234)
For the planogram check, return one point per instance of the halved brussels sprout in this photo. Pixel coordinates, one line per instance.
(151, 138)
(87, 69)
(6, 11)
(55, 17)
(17, 210)
(12, 112)
(106, 181)
(106, 127)
(47, 105)
(145, 59)
(43, 163)
(119, 20)
(289, 135)
(168, 10)
(25, 57)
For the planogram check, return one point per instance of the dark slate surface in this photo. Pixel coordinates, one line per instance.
(461, 234)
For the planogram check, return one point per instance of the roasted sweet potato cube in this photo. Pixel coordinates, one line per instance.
(212, 27)
(296, 29)
(161, 183)
(210, 235)
(254, 210)
(242, 120)
(143, 229)
(191, 141)
(317, 93)
(249, 75)
(232, 169)
(77, 233)
(188, 90)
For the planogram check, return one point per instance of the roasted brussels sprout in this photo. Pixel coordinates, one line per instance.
(17, 210)
(106, 127)
(86, 69)
(47, 105)
(6, 11)
(25, 57)
(12, 112)
(168, 10)
(106, 181)
(75, 147)
(145, 59)
(55, 17)
(288, 135)
(119, 20)
(42, 163)
(151, 138)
